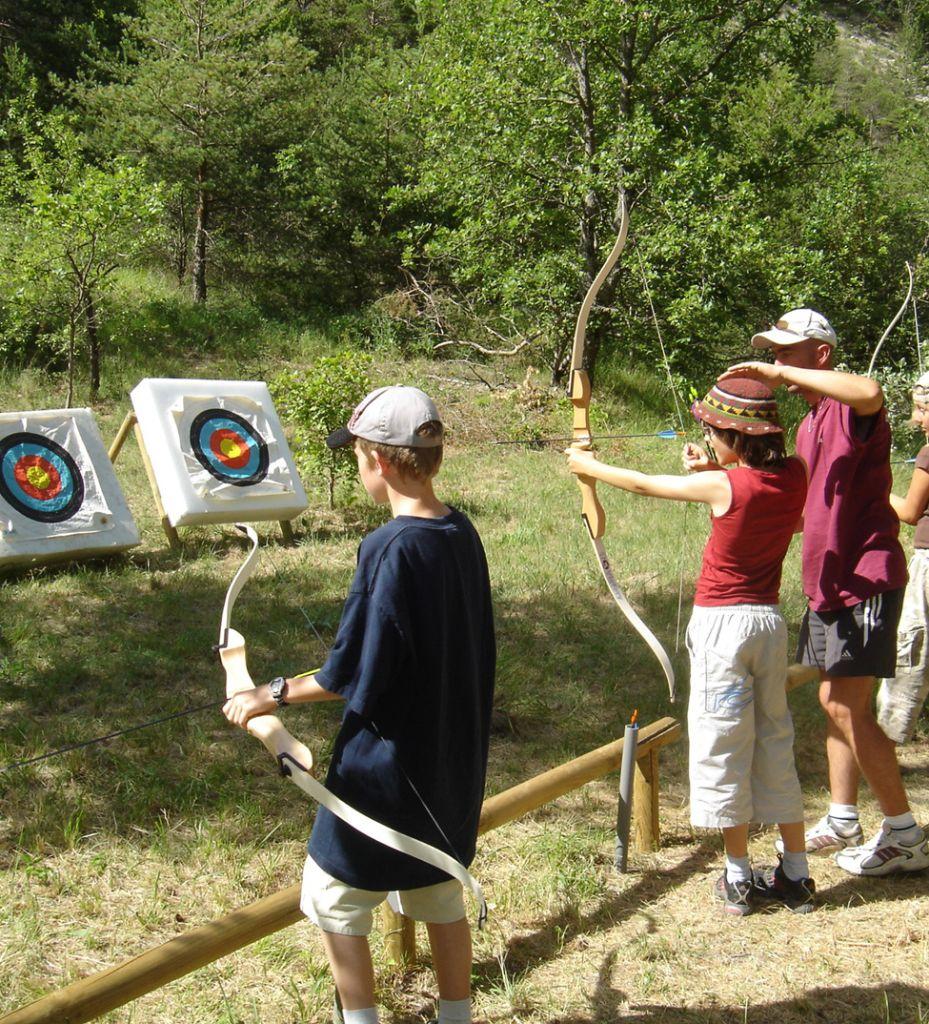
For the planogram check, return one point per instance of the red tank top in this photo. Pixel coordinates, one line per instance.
(742, 559)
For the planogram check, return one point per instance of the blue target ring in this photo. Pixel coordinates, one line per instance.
(229, 447)
(39, 478)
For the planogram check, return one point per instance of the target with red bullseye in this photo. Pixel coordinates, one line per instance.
(39, 478)
(229, 447)
(218, 451)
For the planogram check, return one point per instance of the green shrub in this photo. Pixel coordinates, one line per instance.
(316, 402)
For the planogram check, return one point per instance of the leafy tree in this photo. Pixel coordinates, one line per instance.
(337, 180)
(68, 225)
(535, 116)
(56, 35)
(206, 93)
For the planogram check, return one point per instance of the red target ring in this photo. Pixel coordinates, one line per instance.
(230, 448)
(37, 477)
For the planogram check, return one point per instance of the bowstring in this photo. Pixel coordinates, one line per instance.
(679, 413)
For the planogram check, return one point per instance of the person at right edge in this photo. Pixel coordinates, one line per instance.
(854, 573)
(900, 699)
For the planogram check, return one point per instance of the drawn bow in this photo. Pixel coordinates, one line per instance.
(591, 510)
(295, 759)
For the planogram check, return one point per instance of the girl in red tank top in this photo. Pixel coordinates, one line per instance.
(741, 735)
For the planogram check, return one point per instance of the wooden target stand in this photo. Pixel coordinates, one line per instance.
(131, 422)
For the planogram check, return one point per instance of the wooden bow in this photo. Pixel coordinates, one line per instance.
(591, 510)
(295, 760)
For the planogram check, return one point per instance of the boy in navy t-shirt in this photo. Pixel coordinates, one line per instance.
(414, 661)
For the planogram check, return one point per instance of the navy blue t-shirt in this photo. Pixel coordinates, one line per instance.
(414, 659)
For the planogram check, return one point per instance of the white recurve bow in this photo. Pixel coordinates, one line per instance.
(295, 759)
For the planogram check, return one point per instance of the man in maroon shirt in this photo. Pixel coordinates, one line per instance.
(854, 572)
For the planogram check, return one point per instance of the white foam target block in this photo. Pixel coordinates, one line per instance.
(218, 451)
(59, 496)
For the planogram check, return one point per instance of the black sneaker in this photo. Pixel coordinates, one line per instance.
(773, 884)
(736, 897)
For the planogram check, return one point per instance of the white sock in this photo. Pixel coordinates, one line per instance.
(795, 865)
(366, 1016)
(900, 823)
(454, 1011)
(738, 869)
(843, 812)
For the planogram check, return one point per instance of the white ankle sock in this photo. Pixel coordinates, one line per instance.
(454, 1011)
(366, 1016)
(900, 823)
(843, 812)
(795, 865)
(738, 869)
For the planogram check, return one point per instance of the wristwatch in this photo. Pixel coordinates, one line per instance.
(277, 688)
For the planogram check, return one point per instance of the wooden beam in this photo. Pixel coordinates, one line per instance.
(91, 997)
(646, 830)
(530, 795)
(117, 446)
(399, 934)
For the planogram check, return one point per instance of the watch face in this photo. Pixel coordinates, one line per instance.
(277, 687)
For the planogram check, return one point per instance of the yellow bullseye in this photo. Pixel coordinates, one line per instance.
(229, 448)
(38, 478)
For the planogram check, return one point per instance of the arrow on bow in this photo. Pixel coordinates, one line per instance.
(591, 510)
(295, 759)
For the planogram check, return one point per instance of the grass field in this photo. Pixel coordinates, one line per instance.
(107, 851)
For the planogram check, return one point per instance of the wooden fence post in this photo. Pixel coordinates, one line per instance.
(399, 938)
(647, 831)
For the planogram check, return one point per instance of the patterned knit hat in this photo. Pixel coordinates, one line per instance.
(748, 406)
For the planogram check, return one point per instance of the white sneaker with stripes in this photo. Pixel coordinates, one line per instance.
(823, 838)
(885, 854)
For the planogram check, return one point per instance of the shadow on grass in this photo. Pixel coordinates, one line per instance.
(854, 890)
(849, 1004)
(91, 651)
(526, 952)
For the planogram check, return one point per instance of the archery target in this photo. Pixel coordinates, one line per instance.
(228, 447)
(217, 450)
(59, 496)
(39, 478)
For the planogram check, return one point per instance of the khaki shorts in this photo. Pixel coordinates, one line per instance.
(902, 696)
(345, 910)
(740, 730)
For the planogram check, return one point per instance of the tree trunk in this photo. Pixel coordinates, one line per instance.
(200, 233)
(72, 313)
(180, 239)
(93, 344)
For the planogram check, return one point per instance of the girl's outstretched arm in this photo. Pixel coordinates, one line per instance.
(710, 487)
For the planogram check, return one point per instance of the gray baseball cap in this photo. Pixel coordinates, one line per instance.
(390, 415)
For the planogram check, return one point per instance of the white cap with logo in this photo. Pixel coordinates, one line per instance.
(794, 327)
(390, 415)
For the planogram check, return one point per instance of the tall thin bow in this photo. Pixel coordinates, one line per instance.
(591, 510)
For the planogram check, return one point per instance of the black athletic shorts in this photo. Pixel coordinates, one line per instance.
(856, 641)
